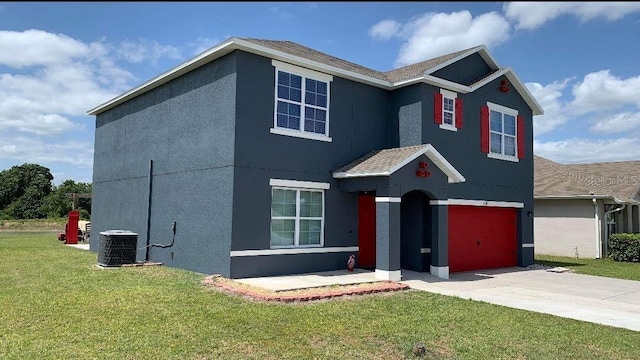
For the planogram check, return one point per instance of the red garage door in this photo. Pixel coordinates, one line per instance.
(481, 237)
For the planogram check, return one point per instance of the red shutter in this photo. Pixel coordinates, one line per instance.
(458, 121)
(520, 135)
(437, 108)
(484, 129)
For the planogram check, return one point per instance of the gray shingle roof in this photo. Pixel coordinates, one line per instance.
(614, 179)
(379, 162)
(396, 75)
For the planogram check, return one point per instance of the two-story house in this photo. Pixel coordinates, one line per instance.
(263, 157)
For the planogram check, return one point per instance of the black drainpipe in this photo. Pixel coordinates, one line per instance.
(146, 257)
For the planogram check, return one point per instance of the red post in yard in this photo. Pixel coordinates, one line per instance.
(72, 227)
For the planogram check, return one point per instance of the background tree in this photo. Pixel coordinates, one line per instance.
(23, 190)
(58, 203)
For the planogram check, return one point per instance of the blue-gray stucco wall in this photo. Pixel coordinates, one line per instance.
(358, 123)
(465, 71)
(186, 127)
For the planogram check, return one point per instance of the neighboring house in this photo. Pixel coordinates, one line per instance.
(578, 206)
(273, 158)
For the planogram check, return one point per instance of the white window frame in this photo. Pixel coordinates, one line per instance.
(304, 73)
(503, 110)
(298, 186)
(446, 94)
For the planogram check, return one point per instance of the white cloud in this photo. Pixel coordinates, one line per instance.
(385, 29)
(589, 150)
(33, 150)
(530, 15)
(142, 50)
(617, 123)
(549, 97)
(602, 91)
(37, 47)
(434, 34)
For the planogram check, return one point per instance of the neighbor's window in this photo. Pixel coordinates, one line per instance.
(502, 131)
(302, 102)
(448, 110)
(297, 217)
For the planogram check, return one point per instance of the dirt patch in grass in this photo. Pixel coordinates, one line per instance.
(303, 295)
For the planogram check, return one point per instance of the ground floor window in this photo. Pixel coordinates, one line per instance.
(297, 217)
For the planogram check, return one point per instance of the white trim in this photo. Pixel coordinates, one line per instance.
(298, 250)
(440, 271)
(425, 251)
(438, 202)
(301, 71)
(388, 199)
(502, 109)
(448, 127)
(395, 275)
(504, 157)
(234, 43)
(596, 222)
(507, 204)
(304, 74)
(342, 175)
(527, 245)
(299, 184)
(300, 134)
(449, 94)
(453, 175)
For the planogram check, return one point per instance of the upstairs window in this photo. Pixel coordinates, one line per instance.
(448, 110)
(302, 102)
(502, 132)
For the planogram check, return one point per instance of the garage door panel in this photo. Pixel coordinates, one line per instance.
(481, 237)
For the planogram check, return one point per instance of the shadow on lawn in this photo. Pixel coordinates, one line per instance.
(558, 263)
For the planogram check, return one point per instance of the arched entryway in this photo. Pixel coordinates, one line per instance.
(415, 231)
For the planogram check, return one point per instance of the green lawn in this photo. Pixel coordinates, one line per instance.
(56, 304)
(599, 267)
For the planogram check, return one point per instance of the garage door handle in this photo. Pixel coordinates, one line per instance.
(478, 242)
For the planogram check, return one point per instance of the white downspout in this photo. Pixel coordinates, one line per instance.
(606, 230)
(598, 228)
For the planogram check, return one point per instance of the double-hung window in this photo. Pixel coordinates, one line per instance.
(301, 102)
(503, 128)
(448, 110)
(297, 213)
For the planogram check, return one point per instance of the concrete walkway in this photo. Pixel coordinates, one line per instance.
(596, 299)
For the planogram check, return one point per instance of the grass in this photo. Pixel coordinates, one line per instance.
(600, 267)
(56, 304)
(33, 225)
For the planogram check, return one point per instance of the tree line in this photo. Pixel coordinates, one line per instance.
(27, 192)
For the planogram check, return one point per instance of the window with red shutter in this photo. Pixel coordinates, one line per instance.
(484, 129)
(437, 108)
(520, 140)
(458, 113)
(502, 132)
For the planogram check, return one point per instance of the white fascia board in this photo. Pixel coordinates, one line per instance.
(526, 94)
(445, 166)
(584, 197)
(344, 175)
(489, 79)
(449, 85)
(489, 203)
(189, 65)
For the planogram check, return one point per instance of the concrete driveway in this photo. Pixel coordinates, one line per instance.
(601, 300)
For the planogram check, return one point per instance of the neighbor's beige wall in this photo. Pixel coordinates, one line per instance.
(561, 225)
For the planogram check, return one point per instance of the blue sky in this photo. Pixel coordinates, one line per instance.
(58, 60)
